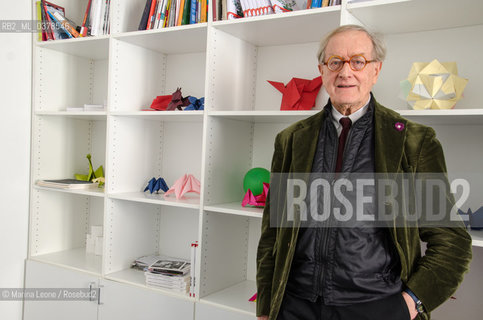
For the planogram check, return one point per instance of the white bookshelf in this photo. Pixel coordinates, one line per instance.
(228, 63)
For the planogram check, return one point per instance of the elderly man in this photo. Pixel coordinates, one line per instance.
(349, 273)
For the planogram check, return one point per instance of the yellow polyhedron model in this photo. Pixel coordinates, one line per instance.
(433, 85)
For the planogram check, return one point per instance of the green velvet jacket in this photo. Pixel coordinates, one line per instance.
(433, 277)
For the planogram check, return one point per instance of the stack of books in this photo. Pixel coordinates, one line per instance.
(169, 13)
(55, 25)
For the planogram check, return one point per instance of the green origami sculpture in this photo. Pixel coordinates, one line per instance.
(94, 176)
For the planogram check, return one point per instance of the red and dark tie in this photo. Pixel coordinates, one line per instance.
(346, 125)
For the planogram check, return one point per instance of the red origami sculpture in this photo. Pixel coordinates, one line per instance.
(170, 102)
(298, 94)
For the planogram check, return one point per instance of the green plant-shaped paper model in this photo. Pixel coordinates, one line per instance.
(94, 176)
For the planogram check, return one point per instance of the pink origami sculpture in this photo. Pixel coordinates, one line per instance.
(256, 201)
(298, 94)
(187, 183)
(253, 298)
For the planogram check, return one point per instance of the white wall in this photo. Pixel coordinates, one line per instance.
(15, 101)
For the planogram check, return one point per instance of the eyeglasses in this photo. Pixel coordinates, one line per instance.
(357, 63)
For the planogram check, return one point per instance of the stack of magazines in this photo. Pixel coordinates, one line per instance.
(165, 272)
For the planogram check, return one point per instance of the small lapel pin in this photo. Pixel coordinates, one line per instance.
(399, 126)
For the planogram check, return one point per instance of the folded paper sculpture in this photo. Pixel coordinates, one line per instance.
(298, 94)
(195, 104)
(187, 183)
(257, 201)
(92, 175)
(161, 102)
(170, 102)
(433, 85)
(156, 185)
(177, 101)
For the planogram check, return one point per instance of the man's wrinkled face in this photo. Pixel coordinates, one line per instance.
(348, 88)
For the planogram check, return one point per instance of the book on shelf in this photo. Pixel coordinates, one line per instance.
(68, 27)
(173, 283)
(97, 21)
(194, 247)
(71, 184)
(145, 16)
(170, 266)
(186, 12)
(142, 263)
(55, 29)
(85, 21)
(151, 15)
(38, 12)
(59, 27)
(157, 14)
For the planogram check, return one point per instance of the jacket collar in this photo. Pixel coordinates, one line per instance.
(389, 140)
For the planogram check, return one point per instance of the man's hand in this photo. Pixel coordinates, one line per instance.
(262, 318)
(413, 312)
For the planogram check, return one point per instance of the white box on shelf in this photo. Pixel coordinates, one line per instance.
(96, 231)
(98, 246)
(90, 244)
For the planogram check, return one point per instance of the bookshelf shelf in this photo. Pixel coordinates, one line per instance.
(425, 15)
(75, 259)
(279, 29)
(173, 116)
(136, 278)
(236, 209)
(264, 116)
(477, 236)
(95, 48)
(182, 39)
(190, 201)
(445, 117)
(85, 115)
(235, 298)
(92, 192)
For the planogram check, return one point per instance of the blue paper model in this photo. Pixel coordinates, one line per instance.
(195, 104)
(156, 185)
